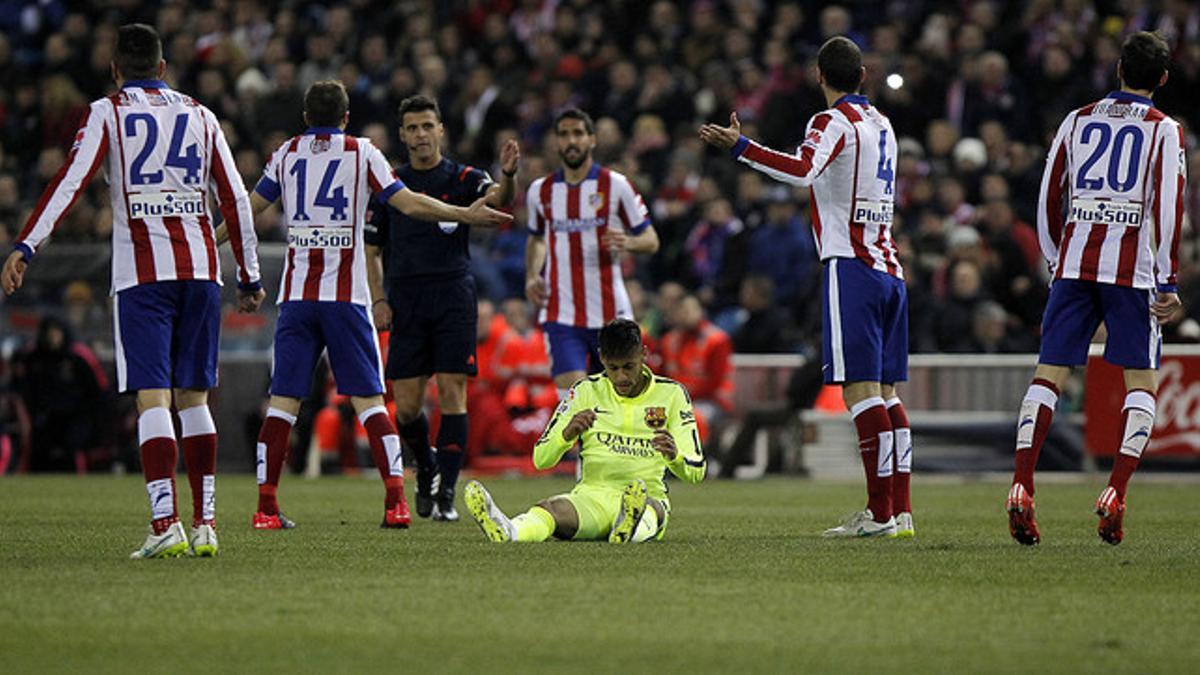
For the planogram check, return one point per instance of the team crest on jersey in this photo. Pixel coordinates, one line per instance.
(656, 417)
(319, 145)
(596, 201)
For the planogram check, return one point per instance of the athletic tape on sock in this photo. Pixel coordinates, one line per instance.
(209, 508)
(1138, 425)
(903, 450)
(369, 412)
(260, 466)
(887, 446)
(162, 498)
(865, 404)
(1035, 397)
(892, 402)
(155, 423)
(276, 412)
(1143, 400)
(196, 421)
(395, 457)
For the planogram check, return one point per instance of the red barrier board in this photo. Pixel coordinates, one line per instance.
(1176, 422)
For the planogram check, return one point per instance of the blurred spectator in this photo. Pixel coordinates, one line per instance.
(764, 328)
(67, 394)
(698, 355)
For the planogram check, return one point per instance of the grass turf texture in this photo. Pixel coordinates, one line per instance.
(743, 581)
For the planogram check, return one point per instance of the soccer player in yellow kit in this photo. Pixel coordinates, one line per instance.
(633, 426)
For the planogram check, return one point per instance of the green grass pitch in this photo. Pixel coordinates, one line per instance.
(743, 583)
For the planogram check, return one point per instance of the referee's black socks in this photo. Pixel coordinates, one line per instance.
(452, 441)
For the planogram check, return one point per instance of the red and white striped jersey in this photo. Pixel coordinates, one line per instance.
(847, 163)
(166, 155)
(1111, 203)
(325, 180)
(583, 277)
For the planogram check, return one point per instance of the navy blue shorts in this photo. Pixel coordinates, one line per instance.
(1074, 312)
(167, 335)
(866, 324)
(572, 348)
(433, 329)
(308, 327)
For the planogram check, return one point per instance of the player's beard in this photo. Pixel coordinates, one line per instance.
(582, 157)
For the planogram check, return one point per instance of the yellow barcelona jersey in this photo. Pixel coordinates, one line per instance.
(617, 449)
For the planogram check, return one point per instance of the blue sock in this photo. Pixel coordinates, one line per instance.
(415, 435)
(452, 441)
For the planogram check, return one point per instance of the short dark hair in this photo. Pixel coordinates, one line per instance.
(138, 52)
(576, 114)
(415, 104)
(620, 337)
(1144, 59)
(840, 61)
(326, 103)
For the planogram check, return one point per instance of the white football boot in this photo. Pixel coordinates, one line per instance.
(862, 524)
(904, 526)
(495, 525)
(170, 544)
(204, 541)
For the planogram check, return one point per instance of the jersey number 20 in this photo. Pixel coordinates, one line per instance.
(1128, 135)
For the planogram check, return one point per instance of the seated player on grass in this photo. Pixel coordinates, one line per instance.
(632, 425)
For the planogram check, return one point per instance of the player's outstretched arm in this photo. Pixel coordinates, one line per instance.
(820, 145)
(421, 206)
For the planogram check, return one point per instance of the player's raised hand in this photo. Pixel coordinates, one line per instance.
(664, 442)
(510, 156)
(722, 137)
(535, 292)
(1166, 307)
(479, 213)
(614, 240)
(14, 272)
(581, 422)
(249, 301)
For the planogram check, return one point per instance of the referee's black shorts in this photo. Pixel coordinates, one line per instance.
(433, 328)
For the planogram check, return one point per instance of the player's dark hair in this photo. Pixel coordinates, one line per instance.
(576, 114)
(620, 337)
(1144, 59)
(840, 61)
(138, 52)
(326, 103)
(415, 104)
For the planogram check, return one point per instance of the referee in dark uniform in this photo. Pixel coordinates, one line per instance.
(427, 297)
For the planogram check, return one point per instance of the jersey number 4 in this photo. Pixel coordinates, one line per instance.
(1126, 136)
(177, 156)
(884, 171)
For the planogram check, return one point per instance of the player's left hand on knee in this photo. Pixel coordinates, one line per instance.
(1166, 307)
(664, 442)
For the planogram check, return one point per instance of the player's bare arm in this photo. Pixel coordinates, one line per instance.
(535, 258)
(722, 137)
(381, 311)
(427, 208)
(501, 194)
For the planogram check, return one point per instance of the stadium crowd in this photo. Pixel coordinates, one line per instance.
(974, 89)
